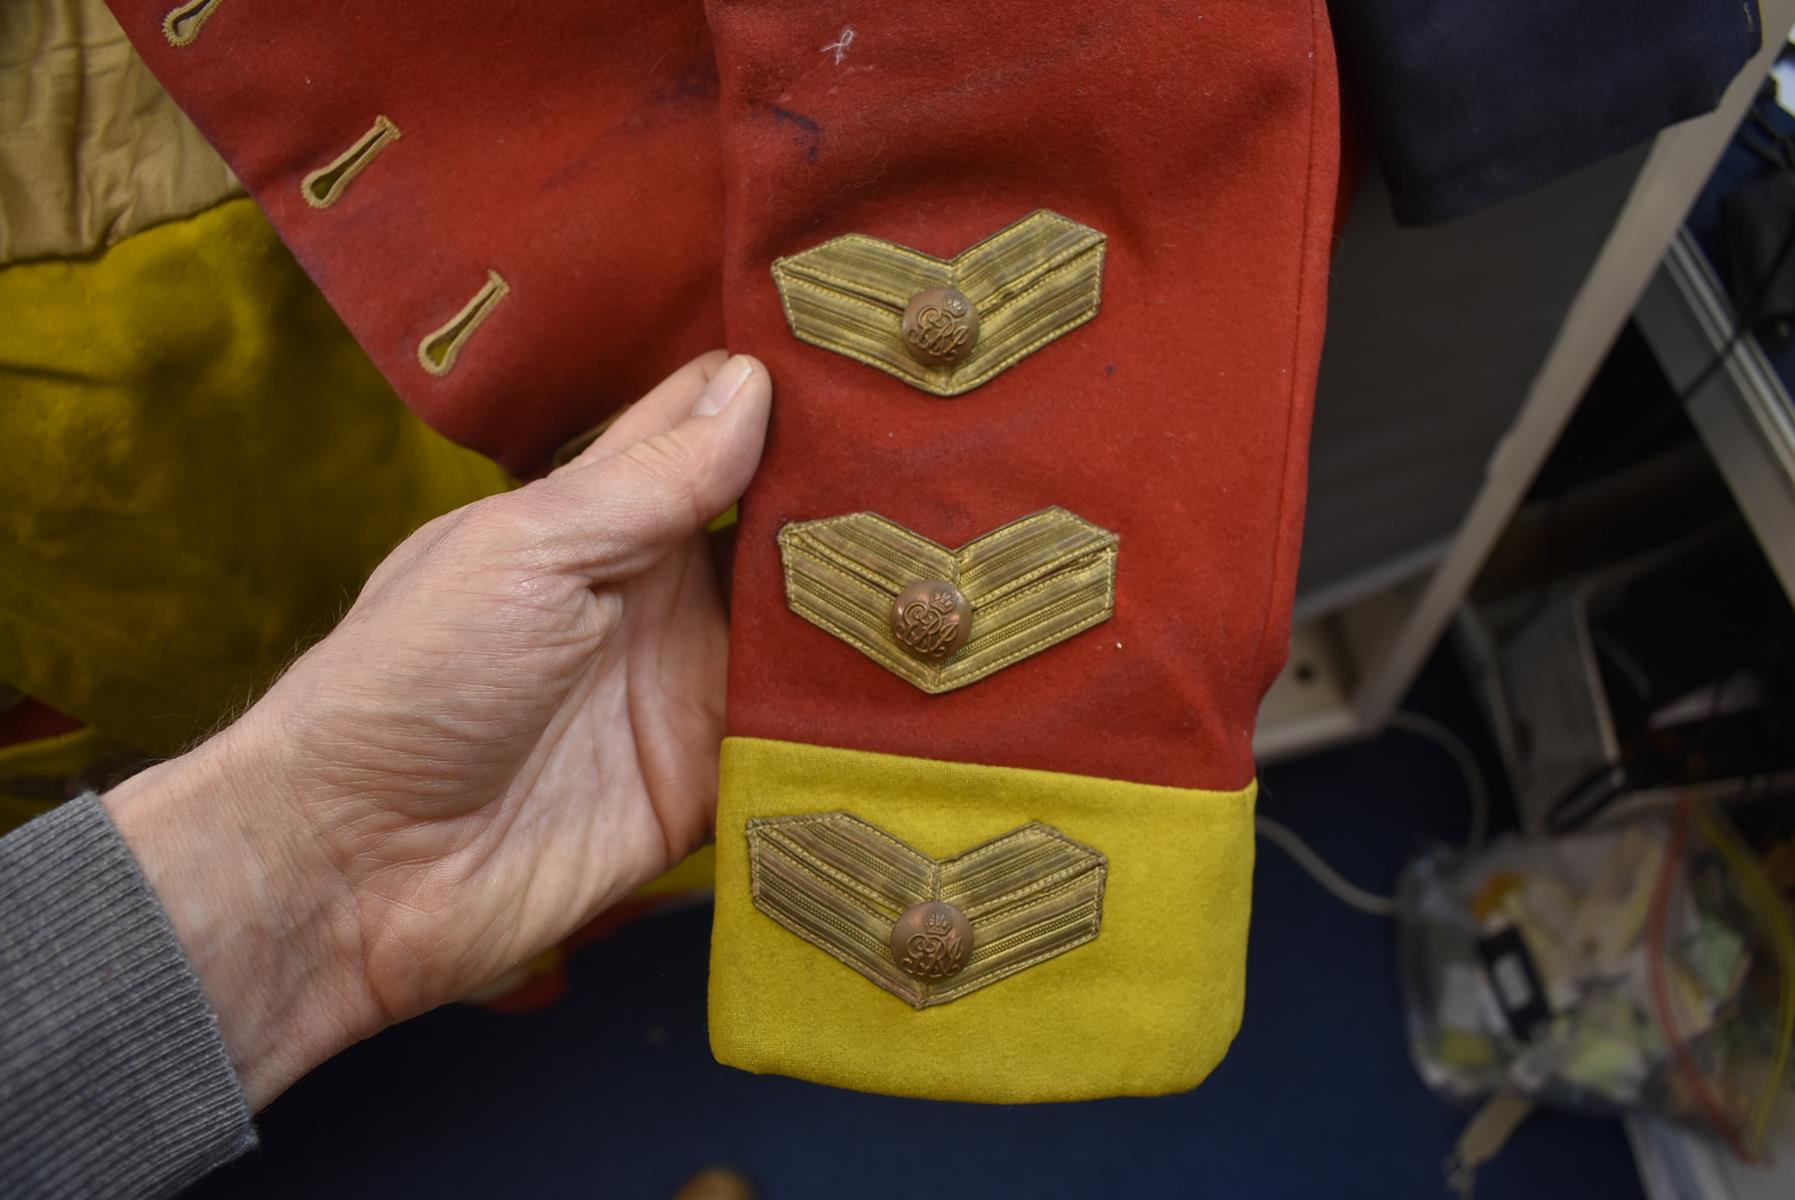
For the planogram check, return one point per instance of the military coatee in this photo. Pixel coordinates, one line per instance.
(518, 213)
(1041, 288)
(1469, 103)
(1139, 204)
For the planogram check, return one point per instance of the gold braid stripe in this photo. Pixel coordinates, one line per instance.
(1030, 283)
(1031, 584)
(840, 884)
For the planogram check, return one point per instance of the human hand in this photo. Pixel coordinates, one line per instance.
(514, 726)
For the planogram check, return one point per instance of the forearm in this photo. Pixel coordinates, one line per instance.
(113, 1079)
(267, 923)
(514, 724)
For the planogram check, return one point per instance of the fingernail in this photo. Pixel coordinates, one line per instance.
(723, 386)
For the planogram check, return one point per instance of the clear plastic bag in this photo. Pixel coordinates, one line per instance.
(1647, 967)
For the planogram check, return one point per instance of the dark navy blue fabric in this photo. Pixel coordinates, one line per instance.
(1472, 102)
(613, 1092)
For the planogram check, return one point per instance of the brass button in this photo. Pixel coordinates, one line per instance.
(931, 941)
(940, 327)
(931, 619)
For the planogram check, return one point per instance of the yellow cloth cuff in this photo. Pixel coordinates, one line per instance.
(1148, 1007)
(696, 872)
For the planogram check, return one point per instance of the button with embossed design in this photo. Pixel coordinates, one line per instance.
(932, 940)
(940, 327)
(931, 620)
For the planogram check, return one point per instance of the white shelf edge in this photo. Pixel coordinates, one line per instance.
(1742, 412)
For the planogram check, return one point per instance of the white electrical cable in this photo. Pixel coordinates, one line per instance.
(1318, 869)
(1336, 884)
(1454, 746)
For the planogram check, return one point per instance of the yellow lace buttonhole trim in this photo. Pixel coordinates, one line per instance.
(184, 21)
(324, 187)
(441, 347)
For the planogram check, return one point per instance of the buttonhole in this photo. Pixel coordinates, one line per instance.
(438, 351)
(183, 22)
(324, 187)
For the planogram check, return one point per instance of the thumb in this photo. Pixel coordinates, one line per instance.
(619, 512)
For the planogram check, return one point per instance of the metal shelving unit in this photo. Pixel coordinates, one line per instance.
(1743, 411)
(1350, 667)
(1356, 650)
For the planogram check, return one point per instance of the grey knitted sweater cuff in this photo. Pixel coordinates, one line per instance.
(113, 1078)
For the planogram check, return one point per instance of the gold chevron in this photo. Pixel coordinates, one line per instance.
(840, 884)
(1032, 282)
(1031, 584)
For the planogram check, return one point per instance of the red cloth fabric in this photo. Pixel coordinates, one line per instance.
(570, 146)
(1204, 141)
(30, 720)
(633, 169)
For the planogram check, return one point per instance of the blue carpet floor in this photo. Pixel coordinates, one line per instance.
(613, 1092)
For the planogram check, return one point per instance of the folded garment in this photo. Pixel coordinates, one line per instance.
(1470, 103)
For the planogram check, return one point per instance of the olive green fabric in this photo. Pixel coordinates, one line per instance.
(1147, 1007)
(198, 469)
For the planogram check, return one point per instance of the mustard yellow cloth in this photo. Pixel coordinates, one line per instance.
(1147, 1008)
(696, 872)
(34, 775)
(198, 469)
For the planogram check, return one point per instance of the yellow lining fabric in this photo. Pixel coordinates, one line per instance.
(34, 775)
(92, 150)
(198, 469)
(1147, 1008)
